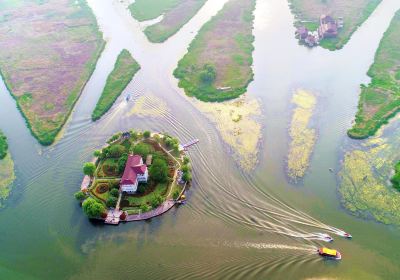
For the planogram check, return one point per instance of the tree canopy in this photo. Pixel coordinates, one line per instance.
(159, 171)
(89, 168)
(93, 208)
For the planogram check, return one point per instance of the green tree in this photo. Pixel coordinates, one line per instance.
(176, 194)
(97, 153)
(146, 134)
(93, 208)
(187, 176)
(111, 201)
(80, 195)
(122, 163)
(208, 74)
(114, 193)
(159, 171)
(3, 145)
(186, 160)
(89, 168)
(141, 149)
(117, 150)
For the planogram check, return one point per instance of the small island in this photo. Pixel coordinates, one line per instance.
(7, 175)
(137, 176)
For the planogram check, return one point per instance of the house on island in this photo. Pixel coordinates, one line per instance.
(135, 172)
(328, 27)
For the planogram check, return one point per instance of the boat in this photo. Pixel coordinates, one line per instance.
(345, 234)
(329, 253)
(326, 237)
(128, 97)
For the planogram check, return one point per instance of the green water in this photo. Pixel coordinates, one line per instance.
(236, 225)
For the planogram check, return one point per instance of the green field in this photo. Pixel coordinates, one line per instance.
(124, 69)
(380, 100)
(354, 13)
(218, 63)
(176, 13)
(143, 10)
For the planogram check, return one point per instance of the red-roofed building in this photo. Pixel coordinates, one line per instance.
(135, 172)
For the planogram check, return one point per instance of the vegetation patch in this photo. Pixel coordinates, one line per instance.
(124, 70)
(3, 145)
(380, 100)
(365, 179)
(302, 136)
(354, 13)
(46, 59)
(217, 66)
(7, 175)
(176, 13)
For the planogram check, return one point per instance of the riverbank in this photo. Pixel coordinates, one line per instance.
(354, 14)
(217, 66)
(48, 57)
(175, 14)
(379, 101)
(302, 135)
(124, 70)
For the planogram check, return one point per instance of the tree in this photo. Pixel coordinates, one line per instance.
(93, 208)
(146, 134)
(208, 74)
(187, 176)
(97, 153)
(122, 162)
(89, 168)
(114, 193)
(111, 201)
(159, 171)
(80, 195)
(117, 150)
(186, 160)
(176, 194)
(141, 149)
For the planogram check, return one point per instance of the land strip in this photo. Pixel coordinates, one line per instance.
(176, 13)
(218, 63)
(49, 50)
(7, 175)
(124, 70)
(380, 100)
(354, 13)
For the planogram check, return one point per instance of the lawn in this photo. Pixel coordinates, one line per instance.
(176, 13)
(46, 59)
(137, 200)
(380, 100)
(218, 63)
(354, 13)
(124, 69)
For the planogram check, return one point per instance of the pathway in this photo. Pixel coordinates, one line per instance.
(166, 206)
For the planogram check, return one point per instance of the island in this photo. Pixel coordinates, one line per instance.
(124, 70)
(217, 66)
(136, 176)
(380, 101)
(174, 14)
(7, 175)
(329, 24)
(49, 50)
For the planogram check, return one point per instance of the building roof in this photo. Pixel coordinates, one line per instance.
(134, 166)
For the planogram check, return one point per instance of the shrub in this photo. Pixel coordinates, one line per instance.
(176, 194)
(141, 189)
(142, 149)
(208, 74)
(80, 195)
(144, 207)
(122, 163)
(146, 134)
(97, 153)
(123, 216)
(93, 208)
(102, 188)
(114, 193)
(156, 201)
(111, 201)
(186, 160)
(159, 171)
(116, 150)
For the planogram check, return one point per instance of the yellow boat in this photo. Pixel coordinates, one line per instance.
(329, 253)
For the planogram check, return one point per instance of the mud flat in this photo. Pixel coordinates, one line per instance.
(175, 14)
(354, 13)
(124, 70)
(365, 185)
(48, 52)
(302, 135)
(217, 66)
(380, 101)
(237, 124)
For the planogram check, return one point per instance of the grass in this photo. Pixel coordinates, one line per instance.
(396, 178)
(7, 176)
(51, 63)
(354, 13)
(380, 100)
(143, 10)
(224, 45)
(160, 190)
(3, 145)
(124, 69)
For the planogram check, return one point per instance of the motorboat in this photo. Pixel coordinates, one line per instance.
(326, 237)
(345, 234)
(329, 253)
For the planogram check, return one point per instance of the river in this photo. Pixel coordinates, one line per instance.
(236, 225)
